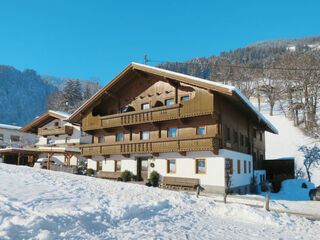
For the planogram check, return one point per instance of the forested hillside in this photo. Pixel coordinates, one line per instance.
(25, 95)
(22, 95)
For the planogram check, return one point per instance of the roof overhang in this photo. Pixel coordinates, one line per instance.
(179, 77)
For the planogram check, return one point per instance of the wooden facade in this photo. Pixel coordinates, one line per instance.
(146, 110)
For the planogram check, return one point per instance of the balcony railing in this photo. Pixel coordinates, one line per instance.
(157, 114)
(55, 130)
(156, 146)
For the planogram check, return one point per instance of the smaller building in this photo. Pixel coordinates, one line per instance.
(10, 136)
(57, 139)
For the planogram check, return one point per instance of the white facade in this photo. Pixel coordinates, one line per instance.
(10, 136)
(213, 179)
(63, 141)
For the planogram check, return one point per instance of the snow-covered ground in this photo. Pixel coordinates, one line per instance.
(41, 204)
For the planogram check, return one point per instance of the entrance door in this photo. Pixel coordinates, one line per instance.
(142, 169)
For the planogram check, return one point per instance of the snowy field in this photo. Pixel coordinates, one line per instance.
(41, 204)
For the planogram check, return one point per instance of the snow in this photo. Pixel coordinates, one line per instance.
(60, 149)
(41, 204)
(288, 141)
(10, 127)
(64, 114)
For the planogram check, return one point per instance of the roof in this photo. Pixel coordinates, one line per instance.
(44, 119)
(10, 127)
(191, 80)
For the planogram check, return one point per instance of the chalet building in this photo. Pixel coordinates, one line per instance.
(149, 119)
(10, 136)
(11, 141)
(57, 139)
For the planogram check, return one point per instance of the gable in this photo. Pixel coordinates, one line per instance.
(136, 71)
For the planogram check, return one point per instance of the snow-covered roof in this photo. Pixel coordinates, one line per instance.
(10, 127)
(182, 77)
(60, 149)
(216, 84)
(66, 115)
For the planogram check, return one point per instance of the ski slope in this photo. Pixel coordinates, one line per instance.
(41, 204)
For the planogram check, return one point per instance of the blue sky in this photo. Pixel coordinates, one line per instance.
(96, 38)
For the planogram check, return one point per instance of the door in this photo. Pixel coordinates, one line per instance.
(142, 169)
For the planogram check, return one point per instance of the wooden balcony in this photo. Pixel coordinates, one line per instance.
(55, 130)
(152, 147)
(157, 114)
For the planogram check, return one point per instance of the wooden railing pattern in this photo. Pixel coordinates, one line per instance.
(144, 116)
(55, 130)
(156, 146)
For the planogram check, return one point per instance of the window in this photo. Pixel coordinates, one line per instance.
(117, 165)
(119, 137)
(245, 166)
(49, 141)
(1, 137)
(145, 106)
(169, 102)
(235, 136)
(99, 165)
(101, 140)
(185, 98)
(241, 139)
(229, 166)
(172, 132)
(144, 135)
(249, 167)
(171, 166)
(125, 109)
(14, 138)
(201, 131)
(228, 134)
(56, 124)
(200, 166)
(260, 133)
(247, 142)
(239, 167)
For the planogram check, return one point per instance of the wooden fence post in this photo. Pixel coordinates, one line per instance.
(267, 201)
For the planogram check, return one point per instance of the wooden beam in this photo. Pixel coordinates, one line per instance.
(126, 155)
(155, 154)
(106, 156)
(48, 161)
(183, 153)
(3, 158)
(19, 156)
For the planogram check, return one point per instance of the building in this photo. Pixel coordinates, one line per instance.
(11, 140)
(10, 136)
(149, 119)
(57, 139)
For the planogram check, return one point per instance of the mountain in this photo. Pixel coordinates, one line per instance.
(23, 95)
(255, 54)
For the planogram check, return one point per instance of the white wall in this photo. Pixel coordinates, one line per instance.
(185, 167)
(25, 138)
(242, 178)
